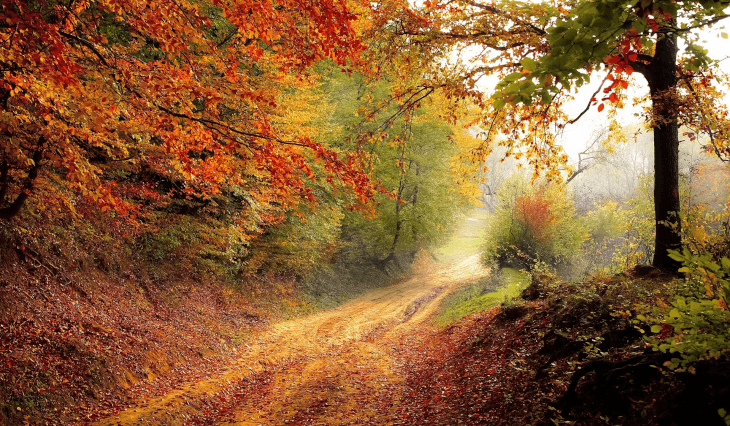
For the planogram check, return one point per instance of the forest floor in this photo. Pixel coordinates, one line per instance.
(558, 357)
(342, 366)
(431, 348)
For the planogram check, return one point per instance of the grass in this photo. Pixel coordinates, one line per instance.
(459, 246)
(467, 240)
(483, 294)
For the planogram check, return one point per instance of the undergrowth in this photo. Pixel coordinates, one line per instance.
(483, 294)
(561, 353)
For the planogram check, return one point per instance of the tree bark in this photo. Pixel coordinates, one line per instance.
(398, 202)
(13, 209)
(661, 75)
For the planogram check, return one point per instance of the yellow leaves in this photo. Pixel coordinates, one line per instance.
(699, 234)
(721, 304)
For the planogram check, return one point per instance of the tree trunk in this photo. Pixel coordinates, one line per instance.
(398, 202)
(662, 77)
(13, 208)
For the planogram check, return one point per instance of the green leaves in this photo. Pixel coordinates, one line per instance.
(698, 56)
(513, 77)
(699, 315)
(725, 416)
(529, 64)
(578, 41)
(533, 223)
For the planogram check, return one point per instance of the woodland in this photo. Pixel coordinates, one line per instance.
(364, 212)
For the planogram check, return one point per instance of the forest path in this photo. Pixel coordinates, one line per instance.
(326, 368)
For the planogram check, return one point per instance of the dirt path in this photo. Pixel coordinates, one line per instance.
(327, 368)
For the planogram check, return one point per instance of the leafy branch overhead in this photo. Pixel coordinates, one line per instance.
(619, 35)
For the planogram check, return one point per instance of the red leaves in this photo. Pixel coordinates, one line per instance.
(74, 355)
(476, 372)
(92, 97)
(535, 212)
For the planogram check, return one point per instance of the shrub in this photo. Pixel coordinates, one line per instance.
(533, 224)
(697, 324)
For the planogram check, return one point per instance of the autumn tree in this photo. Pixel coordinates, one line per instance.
(534, 223)
(130, 102)
(542, 51)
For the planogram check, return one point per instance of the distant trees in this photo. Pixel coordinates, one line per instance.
(411, 153)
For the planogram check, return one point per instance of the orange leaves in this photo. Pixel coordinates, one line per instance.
(189, 89)
(535, 212)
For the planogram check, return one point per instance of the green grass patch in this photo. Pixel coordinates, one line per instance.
(459, 246)
(467, 239)
(483, 294)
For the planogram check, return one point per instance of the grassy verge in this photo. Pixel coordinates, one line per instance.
(483, 294)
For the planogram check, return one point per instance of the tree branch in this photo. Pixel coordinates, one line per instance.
(591, 100)
(714, 20)
(88, 44)
(496, 11)
(214, 124)
(4, 181)
(709, 132)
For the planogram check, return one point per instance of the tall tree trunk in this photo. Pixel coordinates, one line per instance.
(662, 77)
(13, 208)
(398, 202)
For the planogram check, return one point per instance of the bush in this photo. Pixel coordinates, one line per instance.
(533, 223)
(697, 324)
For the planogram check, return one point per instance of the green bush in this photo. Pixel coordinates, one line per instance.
(533, 223)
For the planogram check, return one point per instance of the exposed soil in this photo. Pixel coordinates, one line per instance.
(337, 367)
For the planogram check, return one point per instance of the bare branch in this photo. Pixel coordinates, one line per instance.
(591, 100)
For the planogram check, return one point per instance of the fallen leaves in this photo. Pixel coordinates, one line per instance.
(68, 358)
